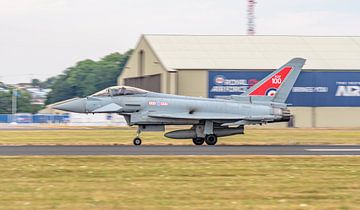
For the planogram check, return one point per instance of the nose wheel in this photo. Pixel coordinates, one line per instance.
(137, 141)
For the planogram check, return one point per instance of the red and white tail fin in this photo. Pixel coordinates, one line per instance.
(278, 82)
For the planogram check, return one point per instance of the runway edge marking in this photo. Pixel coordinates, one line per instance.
(332, 150)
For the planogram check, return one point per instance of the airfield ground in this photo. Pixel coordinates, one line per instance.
(181, 182)
(236, 182)
(124, 136)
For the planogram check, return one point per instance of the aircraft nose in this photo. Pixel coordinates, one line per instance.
(75, 105)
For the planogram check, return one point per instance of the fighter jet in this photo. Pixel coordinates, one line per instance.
(209, 118)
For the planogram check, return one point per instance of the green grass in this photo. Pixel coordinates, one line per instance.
(179, 183)
(125, 136)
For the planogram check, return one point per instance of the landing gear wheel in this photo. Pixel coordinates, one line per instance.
(137, 141)
(198, 141)
(210, 139)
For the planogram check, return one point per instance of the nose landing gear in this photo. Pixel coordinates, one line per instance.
(137, 140)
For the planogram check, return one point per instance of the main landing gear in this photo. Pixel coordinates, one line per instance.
(210, 139)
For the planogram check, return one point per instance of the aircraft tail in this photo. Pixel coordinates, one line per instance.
(279, 83)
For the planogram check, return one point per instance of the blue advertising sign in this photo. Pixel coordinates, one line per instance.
(311, 88)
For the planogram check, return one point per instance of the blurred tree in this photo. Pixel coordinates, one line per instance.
(5, 102)
(87, 77)
(35, 82)
(23, 103)
(48, 83)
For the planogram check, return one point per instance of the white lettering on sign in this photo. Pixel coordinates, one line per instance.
(221, 80)
(348, 83)
(230, 89)
(235, 82)
(350, 90)
(310, 89)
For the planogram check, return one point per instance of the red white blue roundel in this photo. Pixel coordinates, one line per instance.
(271, 91)
(219, 79)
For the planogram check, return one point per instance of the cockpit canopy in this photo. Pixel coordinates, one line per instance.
(119, 91)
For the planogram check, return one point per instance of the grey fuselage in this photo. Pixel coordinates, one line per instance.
(138, 108)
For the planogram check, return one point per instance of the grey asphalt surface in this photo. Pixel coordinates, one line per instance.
(182, 150)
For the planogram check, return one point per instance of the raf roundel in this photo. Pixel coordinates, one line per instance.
(271, 92)
(219, 79)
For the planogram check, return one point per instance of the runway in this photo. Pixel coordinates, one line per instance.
(181, 150)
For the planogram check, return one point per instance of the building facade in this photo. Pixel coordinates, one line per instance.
(327, 93)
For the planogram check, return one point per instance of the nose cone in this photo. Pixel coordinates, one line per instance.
(76, 105)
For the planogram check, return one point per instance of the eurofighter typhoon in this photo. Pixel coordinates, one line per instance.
(209, 118)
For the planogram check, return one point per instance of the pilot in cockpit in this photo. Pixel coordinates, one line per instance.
(122, 91)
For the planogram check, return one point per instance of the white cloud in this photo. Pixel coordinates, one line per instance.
(311, 23)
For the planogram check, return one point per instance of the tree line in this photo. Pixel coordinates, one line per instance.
(82, 79)
(87, 77)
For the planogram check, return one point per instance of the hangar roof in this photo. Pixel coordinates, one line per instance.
(255, 52)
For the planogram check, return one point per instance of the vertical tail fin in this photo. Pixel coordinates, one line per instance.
(279, 83)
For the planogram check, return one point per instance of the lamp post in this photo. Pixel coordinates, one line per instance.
(13, 105)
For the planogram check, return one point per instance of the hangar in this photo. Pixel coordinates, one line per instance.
(327, 93)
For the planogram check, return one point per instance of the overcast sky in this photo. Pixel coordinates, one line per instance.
(41, 38)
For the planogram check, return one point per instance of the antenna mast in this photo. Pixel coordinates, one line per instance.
(251, 17)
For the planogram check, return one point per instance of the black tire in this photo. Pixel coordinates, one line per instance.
(198, 141)
(137, 141)
(211, 139)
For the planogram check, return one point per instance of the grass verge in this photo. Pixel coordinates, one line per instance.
(179, 182)
(125, 136)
